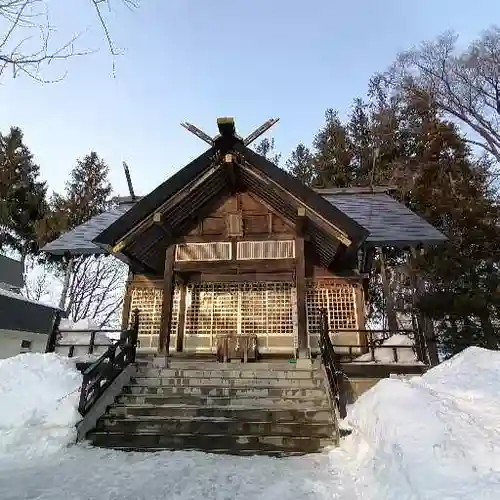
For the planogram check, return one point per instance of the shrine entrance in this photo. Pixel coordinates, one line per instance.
(265, 309)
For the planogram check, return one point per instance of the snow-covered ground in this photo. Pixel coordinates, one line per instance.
(431, 437)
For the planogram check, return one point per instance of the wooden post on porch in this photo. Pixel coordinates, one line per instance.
(300, 284)
(127, 301)
(168, 292)
(182, 316)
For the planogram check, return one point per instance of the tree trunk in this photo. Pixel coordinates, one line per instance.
(67, 277)
(389, 302)
(490, 336)
(425, 325)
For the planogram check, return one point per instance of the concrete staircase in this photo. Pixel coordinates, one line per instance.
(269, 408)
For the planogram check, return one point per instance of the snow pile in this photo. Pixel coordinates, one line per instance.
(433, 437)
(81, 340)
(38, 400)
(405, 355)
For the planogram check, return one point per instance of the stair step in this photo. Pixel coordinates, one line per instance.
(210, 442)
(218, 391)
(241, 413)
(215, 451)
(227, 373)
(214, 365)
(223, 382)
(204, 400)
(178, 425)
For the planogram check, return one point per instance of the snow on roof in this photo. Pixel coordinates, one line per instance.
(18, 296)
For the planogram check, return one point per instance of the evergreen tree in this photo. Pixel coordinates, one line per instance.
(361, 143)
(300, 164)
(332, 154)
(87, 192)
(405, 142)
(266, 148)
(22, 196)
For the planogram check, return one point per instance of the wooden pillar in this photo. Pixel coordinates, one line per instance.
(182, 317)
(300, 284)
(360, 314)
(168, 294)
(127, 300)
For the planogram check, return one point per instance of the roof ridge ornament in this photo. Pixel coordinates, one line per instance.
(227, 129)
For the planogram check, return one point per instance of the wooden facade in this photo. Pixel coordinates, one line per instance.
(244, 269)
(233, 245)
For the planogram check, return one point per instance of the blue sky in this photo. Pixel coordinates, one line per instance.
(197, 60)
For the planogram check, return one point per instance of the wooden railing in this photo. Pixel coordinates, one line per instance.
(331, 363)
(101, 374)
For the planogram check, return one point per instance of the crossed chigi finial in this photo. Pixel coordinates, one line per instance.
(227, 128)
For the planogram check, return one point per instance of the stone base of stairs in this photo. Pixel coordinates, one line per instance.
(271, 408)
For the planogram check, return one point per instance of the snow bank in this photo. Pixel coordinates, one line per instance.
(386, 354)
(430, 437)
(81, 340)
(38, 400)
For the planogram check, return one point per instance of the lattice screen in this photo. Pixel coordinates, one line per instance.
(196, 252)
(280, 249)
(149, 302)
(339, 299)
(264, 309)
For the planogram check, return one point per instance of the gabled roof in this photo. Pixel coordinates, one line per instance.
(144, 232)
(389, 223)
(139, 231)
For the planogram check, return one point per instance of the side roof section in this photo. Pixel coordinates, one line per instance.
(79, 241)
(388, 221)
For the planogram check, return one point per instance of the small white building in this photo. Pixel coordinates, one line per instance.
(24, 324)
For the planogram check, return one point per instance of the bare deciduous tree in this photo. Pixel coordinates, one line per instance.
(36, 287)
(465, 85)
(26, 40)
(96, 290)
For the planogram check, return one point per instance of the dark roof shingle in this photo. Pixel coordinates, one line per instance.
(388, 221)
(78, 241)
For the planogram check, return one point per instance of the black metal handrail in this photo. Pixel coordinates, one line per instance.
(56, 338)
(101, 374)
(331, 363)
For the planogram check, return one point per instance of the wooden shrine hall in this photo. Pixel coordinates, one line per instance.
(232, 246)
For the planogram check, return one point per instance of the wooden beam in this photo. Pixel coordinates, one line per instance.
(238, 278)
(168, 292)
(127, 300)
(300, 285)
(182, 317)
(229, 168)
(239, 266)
